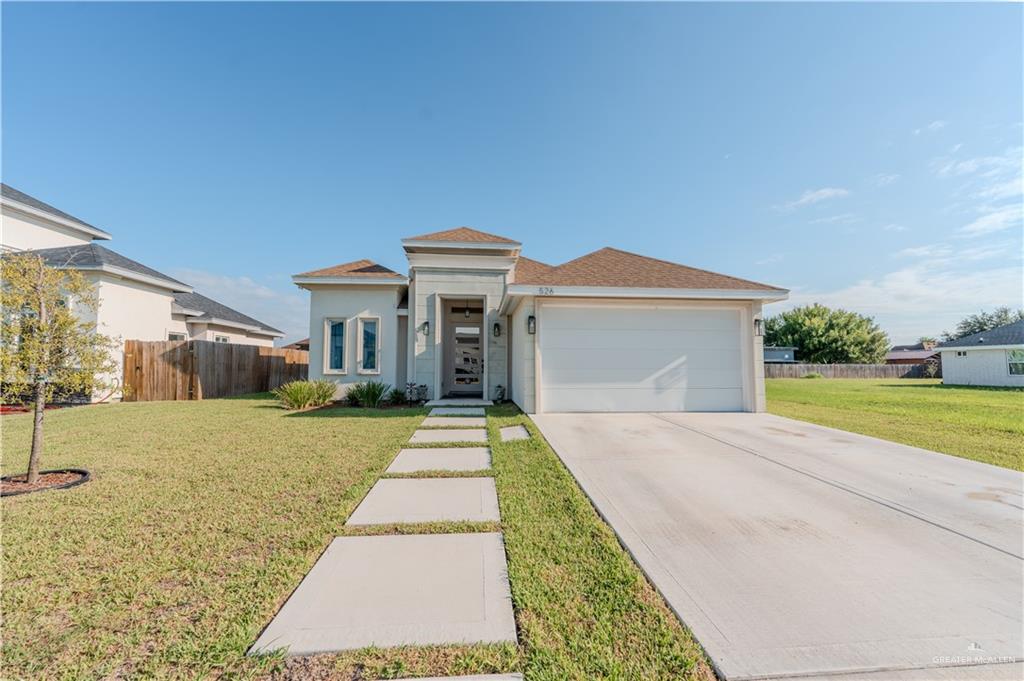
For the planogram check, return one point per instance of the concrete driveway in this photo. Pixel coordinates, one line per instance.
(796, 550)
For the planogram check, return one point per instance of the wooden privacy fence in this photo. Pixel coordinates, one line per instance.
(196, 370)
(798, 370)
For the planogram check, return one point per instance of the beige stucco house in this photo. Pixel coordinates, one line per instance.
(135, 302)
(609, 331)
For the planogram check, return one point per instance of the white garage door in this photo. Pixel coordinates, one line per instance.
(640, 359)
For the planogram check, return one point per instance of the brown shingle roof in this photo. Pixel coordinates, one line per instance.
(357, 268)
(527, 268)
(612, 267)
(463, 234)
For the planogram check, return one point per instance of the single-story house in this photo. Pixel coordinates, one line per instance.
(779, 354)
(298, 345)
(609, 331)
(917, 353)
(136, 302)
(994, 357)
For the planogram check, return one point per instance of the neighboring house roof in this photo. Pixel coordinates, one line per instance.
(212, 312)
(1010, 334)
(299, 345)
(95, 257)
(611, 267)
(356, 268)
(11, 194)
(464, 235)
(910, 354)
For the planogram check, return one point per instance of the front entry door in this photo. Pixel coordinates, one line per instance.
(467, 362)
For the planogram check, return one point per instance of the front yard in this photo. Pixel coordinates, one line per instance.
(983, 424)
(203, 516)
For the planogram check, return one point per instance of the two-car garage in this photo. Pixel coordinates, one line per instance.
(629, 356)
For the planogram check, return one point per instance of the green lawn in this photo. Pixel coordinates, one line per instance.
(203, 516)
(984, 424)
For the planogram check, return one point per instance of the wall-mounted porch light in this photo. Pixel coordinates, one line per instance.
(426, 329)
(758, 326)
(531, 325)
(497, 330)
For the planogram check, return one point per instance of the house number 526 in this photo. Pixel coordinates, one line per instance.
(545, 291)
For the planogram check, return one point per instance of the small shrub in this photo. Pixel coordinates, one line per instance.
(396, 396)
(303, 394)
(367, 394)
(812, 374)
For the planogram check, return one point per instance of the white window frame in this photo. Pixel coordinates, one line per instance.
(217, 338)
(184, 336)
(359, 346)
(1009, 354)
(328, 371)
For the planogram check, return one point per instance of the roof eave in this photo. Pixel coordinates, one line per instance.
(64, 222)
(302, 280)
(173, 286)
(463, 245)
(263, 331)
(764, 295)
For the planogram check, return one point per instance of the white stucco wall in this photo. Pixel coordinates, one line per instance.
(21, 231)
(522, 370)
(981, 366)
(350, 302)
(208, 332)
(432, 285)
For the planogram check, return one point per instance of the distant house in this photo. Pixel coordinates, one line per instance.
(298, 345)
(136, 302)
(918, 353)
(779, 354)
(994, 357)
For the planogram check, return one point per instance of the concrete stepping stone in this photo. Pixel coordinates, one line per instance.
(457, 411)
(441, 459)
(460, 402)
(453, 435)
(396, 590)
(427, 500)
(479, 421)
(514, 433)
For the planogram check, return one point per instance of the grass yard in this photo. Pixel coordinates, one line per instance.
(983, 424)
(203, 516)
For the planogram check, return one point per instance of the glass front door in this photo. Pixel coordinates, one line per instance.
(467, 362)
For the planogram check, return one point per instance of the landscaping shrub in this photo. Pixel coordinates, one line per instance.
(812, 374)
(396, 396)
(303, 394)
(367, 394)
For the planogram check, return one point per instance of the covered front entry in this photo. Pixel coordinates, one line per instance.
(462, 348)
(628, 357)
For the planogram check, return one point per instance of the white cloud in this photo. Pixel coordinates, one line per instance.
(774, 258)
(987, 166)
(283, 308)
(815, 195)
(934, 126)
(1002, 189)
(894, 227)
(883, 179)
(929, 251)
(994, 220)
(842, 219)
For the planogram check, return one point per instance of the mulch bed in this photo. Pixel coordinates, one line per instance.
(11, 485)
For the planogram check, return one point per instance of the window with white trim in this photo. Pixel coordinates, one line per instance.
(221, 339)
(175, 336)
(334, 346)
(1015, 362)
(369, 345)
(961, 353)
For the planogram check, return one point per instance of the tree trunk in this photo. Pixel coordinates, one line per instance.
(37, 432)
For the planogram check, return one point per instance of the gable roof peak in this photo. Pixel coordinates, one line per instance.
(363, 268)
(463, 235)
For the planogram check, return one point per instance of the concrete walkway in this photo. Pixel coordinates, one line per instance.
(793, 550)
(393, 590)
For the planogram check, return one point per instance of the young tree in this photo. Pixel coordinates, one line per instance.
(48, 347)
(984, 321)
(822, 335)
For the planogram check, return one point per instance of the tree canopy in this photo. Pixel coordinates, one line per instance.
(822, 335)
(984, 321)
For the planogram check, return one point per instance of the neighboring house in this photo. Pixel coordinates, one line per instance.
(779, 354)
(298, 345)
(135, 302)
(918, 353)
(609, 331)
(994, 357)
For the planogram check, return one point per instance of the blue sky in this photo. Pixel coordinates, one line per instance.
(863, 156)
